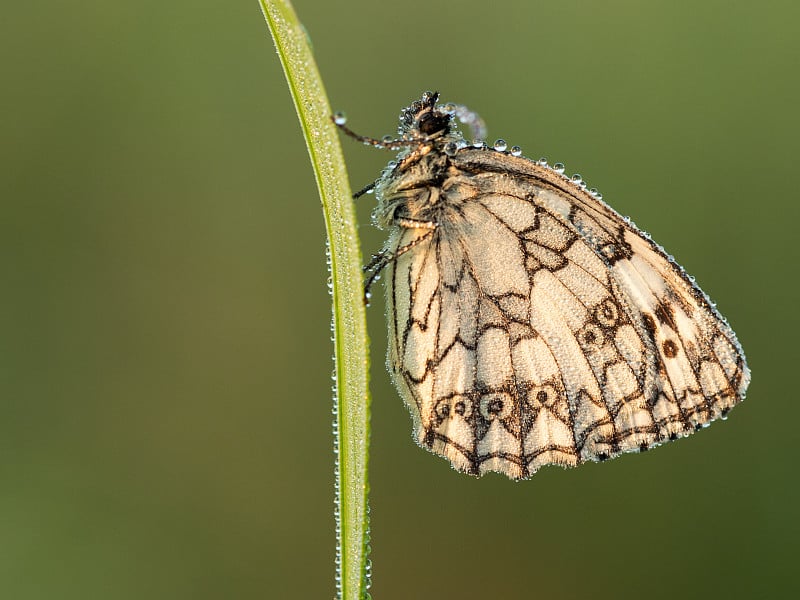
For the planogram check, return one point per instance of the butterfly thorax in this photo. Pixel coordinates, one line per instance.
(412, 190)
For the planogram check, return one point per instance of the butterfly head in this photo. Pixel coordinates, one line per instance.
(424, 120)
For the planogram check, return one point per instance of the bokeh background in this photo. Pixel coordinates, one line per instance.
(165, 426)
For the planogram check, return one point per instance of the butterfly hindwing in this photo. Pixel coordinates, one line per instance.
(536, 326)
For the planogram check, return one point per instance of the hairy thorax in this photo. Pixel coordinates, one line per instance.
(424, 186)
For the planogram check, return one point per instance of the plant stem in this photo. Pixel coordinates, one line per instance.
(351, 399)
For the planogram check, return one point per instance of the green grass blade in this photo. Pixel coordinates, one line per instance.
(349, 323)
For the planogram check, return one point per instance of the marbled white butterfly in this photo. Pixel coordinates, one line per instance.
(529, 323)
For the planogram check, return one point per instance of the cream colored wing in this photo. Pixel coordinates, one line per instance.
(537, 327)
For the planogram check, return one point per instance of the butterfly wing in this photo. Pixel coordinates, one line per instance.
(536, 326)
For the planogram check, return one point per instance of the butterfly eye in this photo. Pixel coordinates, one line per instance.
(431, 123)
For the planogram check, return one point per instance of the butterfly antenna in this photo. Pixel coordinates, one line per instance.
(471, 119)
(339, 120)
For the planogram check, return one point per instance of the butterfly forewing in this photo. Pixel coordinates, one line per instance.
(530, 324)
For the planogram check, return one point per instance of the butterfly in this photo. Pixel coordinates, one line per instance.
(529, 323)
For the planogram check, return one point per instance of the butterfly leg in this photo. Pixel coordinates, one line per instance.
(382, 259)
(365, 190)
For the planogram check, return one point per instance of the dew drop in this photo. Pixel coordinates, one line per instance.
(577, 179)
(516, 151)
(386, 139)
(339, 118)
(559, 167)
(450, 148)
(593, 192)
(500, 145)
(478, 143)
(542, 162)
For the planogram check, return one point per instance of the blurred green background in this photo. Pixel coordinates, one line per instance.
(165, 426)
